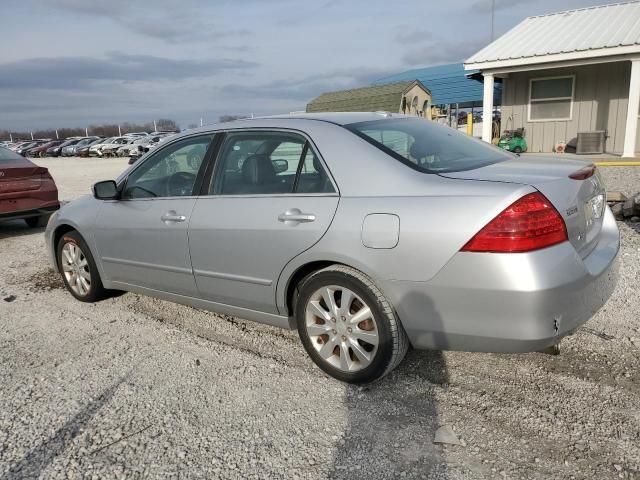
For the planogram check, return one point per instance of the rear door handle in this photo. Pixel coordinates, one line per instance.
(171, 217)
(294, 216)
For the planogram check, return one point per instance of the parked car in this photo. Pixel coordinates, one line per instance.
(70, 150)
(368, 232)
(57, 151)
(109, 149)
(41, 150)
(96, 148)
(123, 150)
(83, 151)
(26, 190)
(17, 145)
(142, 146)
(23, 149)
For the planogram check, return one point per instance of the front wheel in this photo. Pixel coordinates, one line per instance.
(79, 271)
(347, 326)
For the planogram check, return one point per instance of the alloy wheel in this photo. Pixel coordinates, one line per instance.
(342, 328)
(76, 269)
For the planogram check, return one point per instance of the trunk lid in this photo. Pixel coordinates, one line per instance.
(581, 203)
(19, 174)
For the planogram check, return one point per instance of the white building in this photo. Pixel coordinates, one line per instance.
(567, 73)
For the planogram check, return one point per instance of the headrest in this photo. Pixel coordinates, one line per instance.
(258, 169)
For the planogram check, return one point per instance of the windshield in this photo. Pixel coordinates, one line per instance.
(7, 155)
(427, 146)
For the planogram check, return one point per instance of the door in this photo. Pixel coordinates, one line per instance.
(142, 238)
(270, 199)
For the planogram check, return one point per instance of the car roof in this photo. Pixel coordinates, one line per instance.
(338, 118)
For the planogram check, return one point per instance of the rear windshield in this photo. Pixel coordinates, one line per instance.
(7, 155)
(427, 146)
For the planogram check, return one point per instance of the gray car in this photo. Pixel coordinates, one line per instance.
(368, 232)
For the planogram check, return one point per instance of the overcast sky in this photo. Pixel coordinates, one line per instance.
(77, 62)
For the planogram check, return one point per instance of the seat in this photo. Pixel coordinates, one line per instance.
(258, 174)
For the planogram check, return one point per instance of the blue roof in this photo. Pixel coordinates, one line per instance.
(449, 84)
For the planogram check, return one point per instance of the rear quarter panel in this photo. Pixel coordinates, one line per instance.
(433, 227)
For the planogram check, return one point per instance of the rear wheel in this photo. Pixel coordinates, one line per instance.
(37, 222)
(347, 326)
(79, 271)
(517, 150)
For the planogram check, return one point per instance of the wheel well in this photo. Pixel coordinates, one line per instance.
(57, 235)
(298, 276)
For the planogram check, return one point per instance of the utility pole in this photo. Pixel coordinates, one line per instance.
(31, 135)
(155, 127)
(493, 14)
(57, 136)
(119, 131)
(201, 121)
(11, 137)
(86, 131)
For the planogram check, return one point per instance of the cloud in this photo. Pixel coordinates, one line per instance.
(78, 72)
(405, 34)
(306, 88)
(187, 21)
(440, 52)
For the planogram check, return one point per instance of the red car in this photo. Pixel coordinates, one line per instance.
(26, 190)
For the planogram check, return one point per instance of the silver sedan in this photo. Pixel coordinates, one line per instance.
(368, 232)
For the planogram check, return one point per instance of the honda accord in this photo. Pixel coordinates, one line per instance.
(368, 232)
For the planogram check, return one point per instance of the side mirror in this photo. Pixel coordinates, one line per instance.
(106, 190)
(280, 165)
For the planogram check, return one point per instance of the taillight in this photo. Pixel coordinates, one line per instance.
(530, 223)
(583, 173)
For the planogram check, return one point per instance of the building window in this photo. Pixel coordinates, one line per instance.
(551, 99)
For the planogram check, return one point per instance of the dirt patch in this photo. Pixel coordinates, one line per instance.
(44, 280)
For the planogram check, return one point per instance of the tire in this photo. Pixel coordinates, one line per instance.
(95, 290)
(37, 222)
(353, 358)
(517, 150)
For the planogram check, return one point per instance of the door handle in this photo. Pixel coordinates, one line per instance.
(172, 216)
(295, 216)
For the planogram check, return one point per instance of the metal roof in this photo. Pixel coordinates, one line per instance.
(383, 97)
(449, 84)
(582, 33)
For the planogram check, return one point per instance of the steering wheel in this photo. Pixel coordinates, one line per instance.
(180, 184)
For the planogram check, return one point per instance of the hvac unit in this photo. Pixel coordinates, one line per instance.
(590, 142)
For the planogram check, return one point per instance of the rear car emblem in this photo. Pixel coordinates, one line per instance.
(571, 211)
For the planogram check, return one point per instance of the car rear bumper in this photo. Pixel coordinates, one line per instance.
(508, 302)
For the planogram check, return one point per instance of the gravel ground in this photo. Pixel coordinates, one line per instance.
(135, 387)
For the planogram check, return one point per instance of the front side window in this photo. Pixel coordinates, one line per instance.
(170, 172)
(551, 98)
(427, 146)
(262, 163)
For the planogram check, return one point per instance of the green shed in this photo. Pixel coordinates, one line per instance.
(410, 97)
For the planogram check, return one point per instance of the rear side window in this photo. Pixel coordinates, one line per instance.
(263, 163)
(427, 146)
(8, 155)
